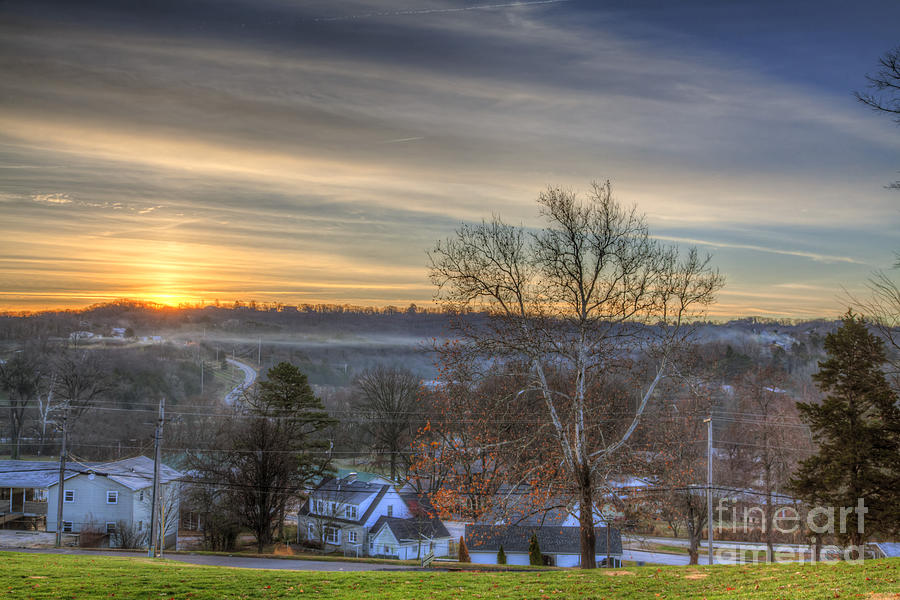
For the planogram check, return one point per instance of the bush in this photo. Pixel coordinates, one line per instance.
(534, 551)
(463, 551)
(127, 536)
(501, 556)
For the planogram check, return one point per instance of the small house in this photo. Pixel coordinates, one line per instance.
(114, 499)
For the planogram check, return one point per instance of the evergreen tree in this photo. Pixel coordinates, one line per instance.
(463, 551)
(857, 428)
(534, 551)
(501, 556)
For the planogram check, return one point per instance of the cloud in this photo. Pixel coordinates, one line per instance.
(336, 147)
(52, 198)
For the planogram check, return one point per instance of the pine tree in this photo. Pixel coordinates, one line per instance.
(857, 428)
(501, 556)
(534, 551)
(463, 551)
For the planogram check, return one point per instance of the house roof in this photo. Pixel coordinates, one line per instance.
(346, 491)
(412, 529)
(380, 491)
(134, 473)
(29, 473)
(552, 540)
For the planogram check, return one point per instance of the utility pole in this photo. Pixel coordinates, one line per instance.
(259, 353)
(151, 545)
(201, 376)
(709, 502)
(62, 477)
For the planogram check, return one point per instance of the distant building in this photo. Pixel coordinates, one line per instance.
(560, 546)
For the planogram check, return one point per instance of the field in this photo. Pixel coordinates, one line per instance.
(84, 577)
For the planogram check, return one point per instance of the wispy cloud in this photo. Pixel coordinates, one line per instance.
(825, 258)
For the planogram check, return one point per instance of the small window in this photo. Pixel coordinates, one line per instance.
(110, 527)
(141, 496)
(351, 537)
(67, 526)
(140, 525)
(310, 531)
(69, 496)
(332, 535)
(112, 497)
(320, 507)
(390, 510)
(351, 512)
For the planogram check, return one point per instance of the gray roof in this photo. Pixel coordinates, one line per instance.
(552, 540)
(134, 473)
(29, 473)
(380, 491)
(412, 529)
(344, 491)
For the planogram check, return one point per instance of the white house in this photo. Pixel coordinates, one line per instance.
(363, 514)
(559, 546)
(108, 496)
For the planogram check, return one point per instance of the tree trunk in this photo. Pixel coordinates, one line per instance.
(586, 519)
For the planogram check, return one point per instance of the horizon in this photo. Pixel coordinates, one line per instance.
(312, 154)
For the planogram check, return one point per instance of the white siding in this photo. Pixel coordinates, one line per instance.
(391, 498)
(90, 503)
(385, 538)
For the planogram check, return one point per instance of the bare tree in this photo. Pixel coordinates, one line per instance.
(387, 403)
(769, 424)
(885, 84)
(574, 302)
(20, 378)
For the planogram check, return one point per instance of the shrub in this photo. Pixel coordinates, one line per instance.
(534, 551)
(463, 551)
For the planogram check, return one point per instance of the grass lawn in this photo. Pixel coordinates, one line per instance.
(60, 576)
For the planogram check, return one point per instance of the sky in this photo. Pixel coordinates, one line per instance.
(306, 152)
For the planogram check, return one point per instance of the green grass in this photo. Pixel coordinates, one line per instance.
(60, 576)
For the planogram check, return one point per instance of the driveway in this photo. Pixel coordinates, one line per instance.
(241, 562)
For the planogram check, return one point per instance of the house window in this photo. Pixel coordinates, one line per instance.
(112, 497)
(387, 549)
(320, 507)
(110, 527)
(141, 496)
(310, 532)
(390, 510)
(69, 496)
(351, 512)
(351, 537)
(140, 525)
(332, 535)
(67, 526)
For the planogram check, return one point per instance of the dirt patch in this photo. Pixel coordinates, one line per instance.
(617, 573)
(696, 575)
(878, 596)
(37, 577)
(283, 550)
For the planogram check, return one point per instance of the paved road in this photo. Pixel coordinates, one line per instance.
(249, 377)
(240, 562)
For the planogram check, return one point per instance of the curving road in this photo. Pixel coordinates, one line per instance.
(249, 378)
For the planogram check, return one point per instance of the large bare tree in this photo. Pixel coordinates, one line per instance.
(387, 402)
(580, 298)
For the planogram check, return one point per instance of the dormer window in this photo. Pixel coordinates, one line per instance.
(390, 510)
(351, 512)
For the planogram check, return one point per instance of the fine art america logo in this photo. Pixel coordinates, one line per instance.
(818, 521)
